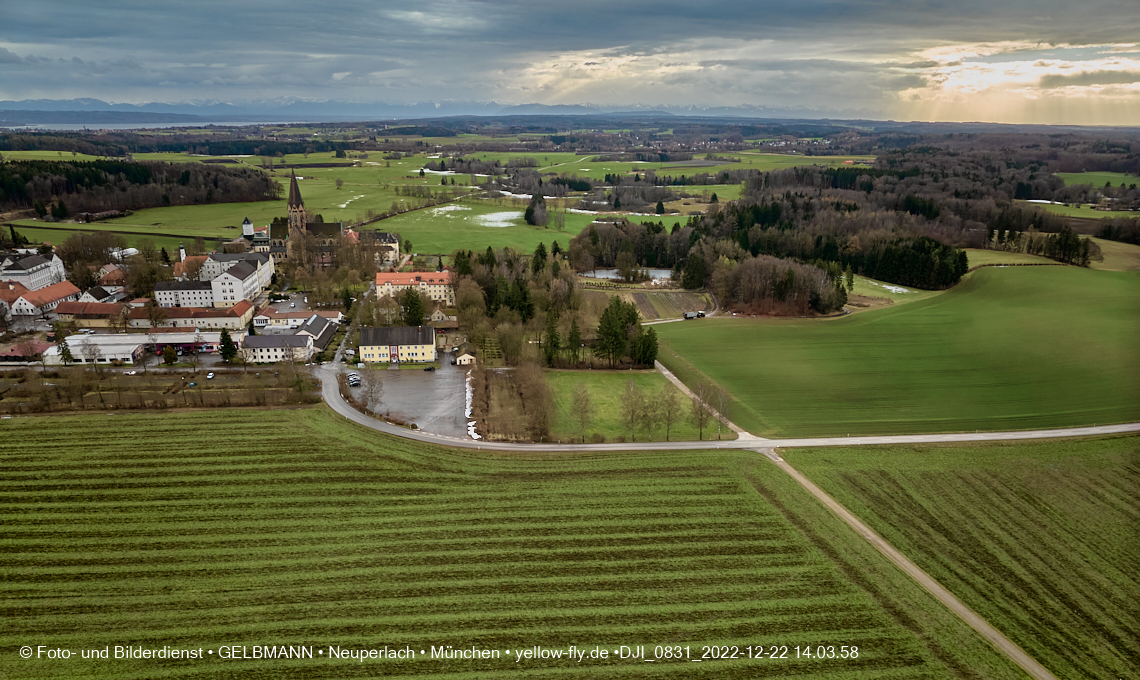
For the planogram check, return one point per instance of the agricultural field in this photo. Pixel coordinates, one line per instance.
(296, 528)
(1097, 179)
(655, 304)
(606, 388)
(1039, 538)
(998, 257)
(1013, 348)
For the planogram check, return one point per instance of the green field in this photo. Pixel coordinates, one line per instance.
(606, 388)
(1097, 179)
(475, 224)
(1086, 211)
(296, 528)
(1039, 538)
(1015, 348)
(1118, 257)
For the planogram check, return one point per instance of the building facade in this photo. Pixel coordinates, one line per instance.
(400, 344)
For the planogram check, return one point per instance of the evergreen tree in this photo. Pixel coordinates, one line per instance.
(65, 354)
(251, 330)
(552, 341)
(413, 308)
(538, 262)
(165, 256)
(226, 347)
(574, 340)
(660, 208)
(617, 203)
(168, 355)
(714, 199)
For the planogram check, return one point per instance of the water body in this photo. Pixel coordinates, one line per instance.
(655, 274)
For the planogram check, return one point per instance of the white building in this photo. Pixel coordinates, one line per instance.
(217, 263)
(33, 271)
(239, 282)
(270, 349)
(184, 294)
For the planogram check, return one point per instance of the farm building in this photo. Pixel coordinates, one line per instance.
(270, 349)
(396, 345)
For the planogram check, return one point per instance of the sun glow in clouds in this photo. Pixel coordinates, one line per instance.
(1026, 82)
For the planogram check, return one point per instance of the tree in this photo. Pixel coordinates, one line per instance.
(651, 414)
(156, 315)
(91, 354)
(714, 199)
(535, 213)
(631, 408)
(581, 409)
(723, 401)
(551, 342)
(538, 262)
(372, 388)
(251, 330)
(850, 276)
(671, 407)
(339, 183)
(226, 347)
(574, 341)
(645, 347)
(65, 354)
(168, 355)
(660, 208)
(698, 410)
(408, 246)
(413, 307)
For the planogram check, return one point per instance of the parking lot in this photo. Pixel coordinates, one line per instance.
(433, 400)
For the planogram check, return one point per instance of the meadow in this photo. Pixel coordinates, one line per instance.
(606, 389)
(1086, 211)
(1039, 538)
(1013, 348)
(294, 528)
(1097, 179)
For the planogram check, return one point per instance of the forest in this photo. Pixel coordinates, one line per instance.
(102, 185)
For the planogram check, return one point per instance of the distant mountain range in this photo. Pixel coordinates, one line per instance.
(95, 111)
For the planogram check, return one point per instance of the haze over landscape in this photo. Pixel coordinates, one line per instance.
(1018, 61)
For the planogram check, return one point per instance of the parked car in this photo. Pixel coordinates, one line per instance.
(210, 376)
(430, 368)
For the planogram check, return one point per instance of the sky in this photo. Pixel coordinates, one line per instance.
(1010, 61)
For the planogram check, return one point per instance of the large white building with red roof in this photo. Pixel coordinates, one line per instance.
(435, 286)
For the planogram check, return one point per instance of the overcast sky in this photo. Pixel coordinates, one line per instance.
(1036, 61)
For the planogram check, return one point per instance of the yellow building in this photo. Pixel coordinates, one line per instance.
(402, 344)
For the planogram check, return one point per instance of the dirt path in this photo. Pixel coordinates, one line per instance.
(1004, 644)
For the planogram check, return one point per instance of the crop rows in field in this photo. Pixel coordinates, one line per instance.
(1038, 538)
(289, 528)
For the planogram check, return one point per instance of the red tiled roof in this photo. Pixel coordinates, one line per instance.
(413, 278)
(196, 312)
(10, 291)
(88, 308)
(49, 294)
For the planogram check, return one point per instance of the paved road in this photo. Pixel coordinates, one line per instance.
(327, 375)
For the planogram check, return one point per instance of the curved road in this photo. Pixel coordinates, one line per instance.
(327, 375)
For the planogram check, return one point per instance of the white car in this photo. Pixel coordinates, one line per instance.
(209, 376)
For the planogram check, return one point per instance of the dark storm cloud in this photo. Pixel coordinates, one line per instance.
(1091, 78)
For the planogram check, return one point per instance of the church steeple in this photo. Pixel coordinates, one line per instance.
(296, 205)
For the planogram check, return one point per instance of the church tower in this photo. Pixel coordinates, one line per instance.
(296, 206)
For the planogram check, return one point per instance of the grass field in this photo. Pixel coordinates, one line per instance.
(606, 389)
(1118, 257)
(1097, 179)
(1084, 211)
(980, 257)
(1039, 538)
(1015, 348)
(295, 528)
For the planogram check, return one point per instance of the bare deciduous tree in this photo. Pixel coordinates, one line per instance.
(672, 409)
(372, 388)
(631, 408)
(699, 410)
(581, 409)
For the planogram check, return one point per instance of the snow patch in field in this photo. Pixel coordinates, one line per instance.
(469, 395)
(500, 219)
(345, 204)
(436, 212)
(582, 212)
(525, 197)
(893, 289)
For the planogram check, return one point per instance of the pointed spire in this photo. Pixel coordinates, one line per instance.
(294, 192)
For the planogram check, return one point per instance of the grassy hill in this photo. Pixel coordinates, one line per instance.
(1012, 348)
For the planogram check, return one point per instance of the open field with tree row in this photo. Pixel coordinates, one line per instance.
(1039, 538)
(1012, 348)
(298, 529)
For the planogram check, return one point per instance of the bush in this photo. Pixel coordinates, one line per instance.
(597, 438)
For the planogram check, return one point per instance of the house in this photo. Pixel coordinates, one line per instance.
(102, 294)
(234, 318)
(465, 355)
(216, 263)
(436, 286)
(9, 293)
(321, 329)
(111, 275)
(269, 349)
(389, 249)
(398, 344)
(33, 271)
(43, 301)
(272, 318)
(91, 314)
(184, 294)
(189, 268)
(239, 282)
